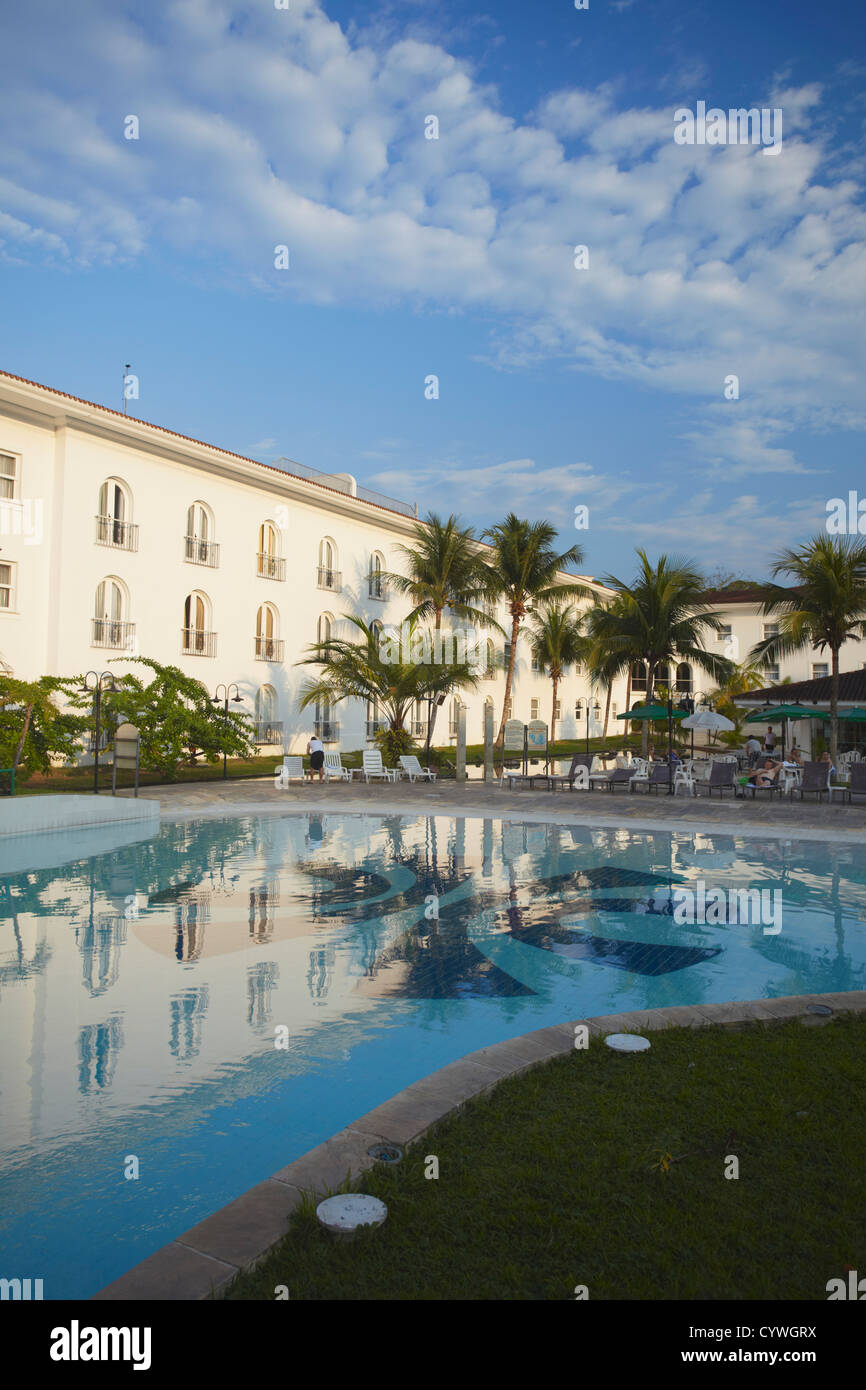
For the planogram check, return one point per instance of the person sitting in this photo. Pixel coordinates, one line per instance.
(794, 756)
(825, 758)
(765, 776)
(753, 748)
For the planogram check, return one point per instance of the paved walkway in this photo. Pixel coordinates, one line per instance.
(642, 810)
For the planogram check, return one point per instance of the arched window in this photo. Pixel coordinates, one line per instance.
(198, 639)
(111, 627)
(489, 670)
(269, 563)
(456, 706)
(663, 675)
(200, 547)
(114, 516)
(376, 588)
(684, 678)
(328, 574)
(374, 723)
(268, 728)
(268, 644)
(638, 677)
(324, 628)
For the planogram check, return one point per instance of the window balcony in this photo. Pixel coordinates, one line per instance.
(489, 673)
(417, 728)
(269, 732)
(330, 579)
(327, 730)
(269, 648)
(270, 566)
(377, 589)
(375, 726)
(122, 535)
(108, 632)
(196, 642)
(199, 552)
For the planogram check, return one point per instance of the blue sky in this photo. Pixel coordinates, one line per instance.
(305, 127)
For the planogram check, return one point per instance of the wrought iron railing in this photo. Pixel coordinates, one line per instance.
(270, 566)
(196, 642)
(200, 552)
(329, 578)
(271, 731)
(109, 632)
(327, 730)
(269, 648)
(123, 535)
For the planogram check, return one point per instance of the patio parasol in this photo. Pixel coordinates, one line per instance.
(707, 719)
(772, 714)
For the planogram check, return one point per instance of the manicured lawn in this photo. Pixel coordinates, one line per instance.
(559, 1178)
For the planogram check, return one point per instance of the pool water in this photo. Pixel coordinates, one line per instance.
(142, 992)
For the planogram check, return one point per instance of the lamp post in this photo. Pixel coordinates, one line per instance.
(670, 742)
(216, 699)
(101, 682)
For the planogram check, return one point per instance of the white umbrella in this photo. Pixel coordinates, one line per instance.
(706, 719)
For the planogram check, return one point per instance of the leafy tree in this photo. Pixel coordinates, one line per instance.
(176, 718)
(523, 569)
(825, 607)
(376, 668)
(660, 618)
(444, 569)
(34, 730)
(557, 642)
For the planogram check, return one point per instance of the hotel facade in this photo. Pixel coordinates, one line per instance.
(119, 538)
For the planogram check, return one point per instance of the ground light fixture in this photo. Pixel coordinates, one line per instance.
(626, 1042)
(344, 1215)
(386, 1153)
(223, 699)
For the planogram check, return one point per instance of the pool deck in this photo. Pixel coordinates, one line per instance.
(201, 1263)
(640, 810)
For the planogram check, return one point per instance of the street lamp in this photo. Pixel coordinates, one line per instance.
(102, 682)
(223, 699)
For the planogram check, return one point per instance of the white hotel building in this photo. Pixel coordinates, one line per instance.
(118, 537)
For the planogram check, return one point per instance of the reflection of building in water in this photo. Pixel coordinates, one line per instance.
(99, 1047)
(261, 979)
(189, 920)
(185, 1017)
(320, 972)
(99, 944)
(262, 900)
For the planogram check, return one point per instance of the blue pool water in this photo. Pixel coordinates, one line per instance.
(141, 991)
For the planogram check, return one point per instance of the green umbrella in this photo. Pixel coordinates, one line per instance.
(773, 713)
(654, 712)
(856, 716)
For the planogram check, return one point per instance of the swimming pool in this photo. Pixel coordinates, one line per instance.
(142, 992)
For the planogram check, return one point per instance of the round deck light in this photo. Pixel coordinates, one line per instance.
(386, 1153)
(344, 1215)
(626, 1042)
(823, 1009)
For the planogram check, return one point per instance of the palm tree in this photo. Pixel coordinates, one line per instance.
(825, 607)
(658, 619)
(609, 653)
(556, 642)
(365, 670)
(522, 569)
(443, 570)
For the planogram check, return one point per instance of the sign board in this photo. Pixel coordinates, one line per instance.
(513, 736)
(536, 736)
(126, 746)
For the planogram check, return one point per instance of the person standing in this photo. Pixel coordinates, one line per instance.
(316, 750)
(753, 749)
(769, 740)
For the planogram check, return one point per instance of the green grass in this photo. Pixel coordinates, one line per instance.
(558, 1178)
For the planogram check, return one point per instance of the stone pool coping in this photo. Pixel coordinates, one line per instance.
(200, 1263)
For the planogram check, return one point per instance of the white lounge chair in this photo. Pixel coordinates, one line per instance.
(290, 769)
(334, 768)
(372, 761)
(414, 770)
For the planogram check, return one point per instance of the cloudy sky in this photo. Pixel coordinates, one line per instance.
(409, 257)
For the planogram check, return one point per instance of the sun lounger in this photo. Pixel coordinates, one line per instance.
(413, 769)
(816, 778)
(334, 770)
(290, 770)
(721, 778)
(372, 761)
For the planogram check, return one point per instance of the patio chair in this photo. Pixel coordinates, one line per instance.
(620, 777)
(721, 779)
(334, 770)
(568, 779)
(372, 761)
(659, 776)
(684, 777)
(857, 784)
(816, 778)
(289, 770)
(413, 769)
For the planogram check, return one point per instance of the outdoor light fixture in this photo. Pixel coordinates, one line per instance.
(223, 699)
(102, 682)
